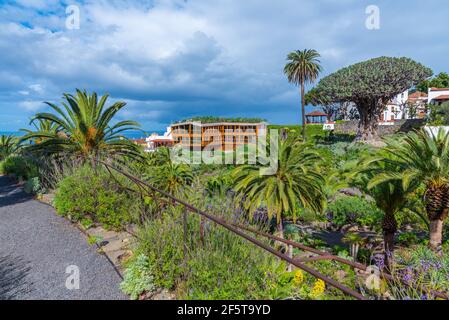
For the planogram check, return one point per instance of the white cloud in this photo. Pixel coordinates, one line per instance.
(172, 58)
(31, 106)
(37, 88)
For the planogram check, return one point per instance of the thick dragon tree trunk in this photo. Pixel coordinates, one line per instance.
(369, 112)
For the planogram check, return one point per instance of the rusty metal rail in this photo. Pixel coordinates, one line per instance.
(237, 229)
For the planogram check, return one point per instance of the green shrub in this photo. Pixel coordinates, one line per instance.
(33, 186)
(162, 241)
(138, 278)
(20, 167)
(96, 195)
(408, 238)
(222, 266)
(346, 210)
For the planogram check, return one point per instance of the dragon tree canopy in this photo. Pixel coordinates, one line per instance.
(370, 85)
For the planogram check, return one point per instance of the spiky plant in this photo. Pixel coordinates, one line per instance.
(296, 182)
(8, 145)
(391, 196)
(422, 157)
(85, 129)
(43, 126)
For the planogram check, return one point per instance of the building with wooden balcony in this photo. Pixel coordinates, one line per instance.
(217, 133)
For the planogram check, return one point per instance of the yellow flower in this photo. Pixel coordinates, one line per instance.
(318, 288)
(299, 278)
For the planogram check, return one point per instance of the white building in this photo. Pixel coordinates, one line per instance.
(438, 95)
(396, 109)
(155, 141)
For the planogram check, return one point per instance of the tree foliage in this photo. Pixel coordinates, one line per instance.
(8, 146)
(379, 80)
(296, 183)
(303, 67)
(82, 128)
(440, 81)
(422, 157)
(370, 85)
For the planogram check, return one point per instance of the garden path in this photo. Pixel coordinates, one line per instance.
(37, 247)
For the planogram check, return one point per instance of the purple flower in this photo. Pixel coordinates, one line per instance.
(424, 297)
(408, 275)
(425, 265)
(379, 260)
(437, 265)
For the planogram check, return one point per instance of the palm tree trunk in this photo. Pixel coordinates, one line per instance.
(290, 255)
(437, 207)
(303, 111)
(389, 226)
(436, 234)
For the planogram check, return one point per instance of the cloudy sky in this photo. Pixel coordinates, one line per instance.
(170, 59)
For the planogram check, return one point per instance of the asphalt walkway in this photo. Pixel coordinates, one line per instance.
(41, 253)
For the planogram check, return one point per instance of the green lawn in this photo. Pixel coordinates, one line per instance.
(312, 130)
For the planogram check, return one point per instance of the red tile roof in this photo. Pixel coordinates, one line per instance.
(417, 94)
(442, 97)
(139, 141)
(439, 89)
(316, 114)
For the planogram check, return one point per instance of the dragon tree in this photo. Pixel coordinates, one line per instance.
(370, 85)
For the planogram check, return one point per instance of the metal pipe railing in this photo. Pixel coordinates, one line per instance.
(236, 229)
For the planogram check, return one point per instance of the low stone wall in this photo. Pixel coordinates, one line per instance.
(350, 127)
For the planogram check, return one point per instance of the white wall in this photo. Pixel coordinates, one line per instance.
(435, 130)
(433, 94)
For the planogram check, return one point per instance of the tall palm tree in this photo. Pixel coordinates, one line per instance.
(296, 183)
(422, 157)
(8, 145)
(303, 67)
(84, 129)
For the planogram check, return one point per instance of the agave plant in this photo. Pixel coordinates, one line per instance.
(422, 157)
(296, 183)
(84, 129)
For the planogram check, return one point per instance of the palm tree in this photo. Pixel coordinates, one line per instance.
(391, 196)
(296, 183)
(173, 178)
(303, 67)
(82, 128)
(42, 126)
(8, 145)
(422, 157)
